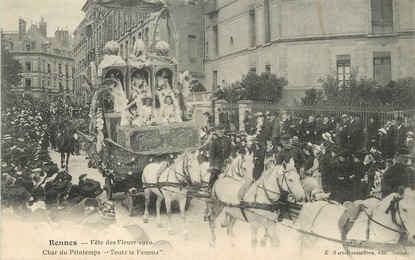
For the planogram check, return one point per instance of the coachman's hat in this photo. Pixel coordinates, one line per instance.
(286, 137)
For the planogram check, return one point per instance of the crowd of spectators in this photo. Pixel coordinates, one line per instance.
(33, 187)
(347, 160)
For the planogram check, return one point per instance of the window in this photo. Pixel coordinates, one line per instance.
(49, 67)
(215, 41)
(191, 41)
(382, 67)
(231, 41)
(122, 50)
(43, 84)
(382, 16)
(28, 47)
(28, 66)
(267, 25)
(43, 65)
(268, 68)
(67, 70)
(252, 29)
(127, 50)
(28, 83)
(343, 70)
(253, 69)
(214, 80)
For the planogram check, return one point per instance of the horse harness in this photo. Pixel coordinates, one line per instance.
(275, 204)
(180, 185)
(394, 210)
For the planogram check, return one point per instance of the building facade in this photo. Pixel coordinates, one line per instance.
(305, 40)
(100, 25)
(47, 62)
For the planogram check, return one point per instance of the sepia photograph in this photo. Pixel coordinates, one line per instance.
(207, 129)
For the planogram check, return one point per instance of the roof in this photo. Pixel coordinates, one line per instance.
(34, 35)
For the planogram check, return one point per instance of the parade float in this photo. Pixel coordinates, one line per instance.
(138, 115)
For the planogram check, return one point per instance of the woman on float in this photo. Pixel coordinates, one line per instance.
(169, 112)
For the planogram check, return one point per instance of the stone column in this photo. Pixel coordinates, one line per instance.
(243, 105)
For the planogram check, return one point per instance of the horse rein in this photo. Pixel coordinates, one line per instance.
(393, 211)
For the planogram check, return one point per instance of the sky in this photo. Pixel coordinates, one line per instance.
(62, 13)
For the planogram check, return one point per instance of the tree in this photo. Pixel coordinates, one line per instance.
(264, 87)
(10, 68)
(367, 90)
(312, 96)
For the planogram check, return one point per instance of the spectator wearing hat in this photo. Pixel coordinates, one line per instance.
(309, 129)
(89, 188)
(248, 122)
(409, 142)
(333, 162)
(221, 150)
(359, 169)
(381, 142)
(276, 129)
(399, 174)
(300, 127)
(355, 132)
(372, 129)
(342, 178)
(375, 162)
(400, 132)
(259, 152)
(289, 151)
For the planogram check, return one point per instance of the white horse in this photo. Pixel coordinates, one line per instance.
(264, 193)
(171, 184)
(381, 223)
(201, 176)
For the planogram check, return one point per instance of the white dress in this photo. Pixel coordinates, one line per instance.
(120, 98)
(169, 113)
(146, 115)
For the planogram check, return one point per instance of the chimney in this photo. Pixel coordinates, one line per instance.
(22, 28)
(43, 26)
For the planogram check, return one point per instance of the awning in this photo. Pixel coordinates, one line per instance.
(145, 6)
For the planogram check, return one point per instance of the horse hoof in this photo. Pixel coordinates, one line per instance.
(171, 232)
(212, 243)
(186, 237)
(159, 225)
(205, 218)
(145, 220)
(263, 243)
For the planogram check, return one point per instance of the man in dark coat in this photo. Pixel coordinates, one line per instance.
(259, 152)
(399, 174)
(400, 132)
(372, 129)
(220, 150)
(342, 178)
(289, 152)
(355, 134)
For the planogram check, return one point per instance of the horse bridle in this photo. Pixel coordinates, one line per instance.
(395, 210)
(284, 192)
(185, 168)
